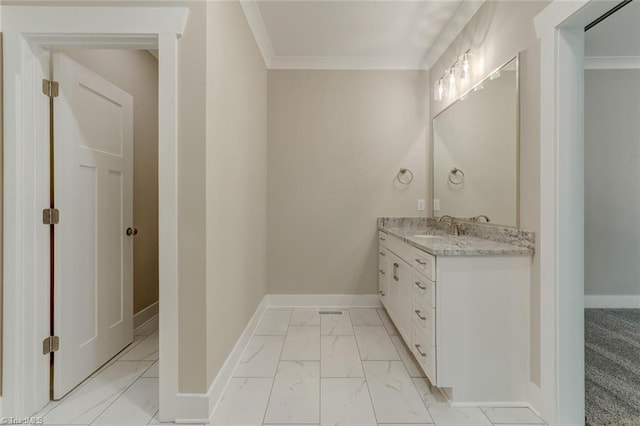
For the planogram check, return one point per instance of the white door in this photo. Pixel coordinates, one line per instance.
(93, 190)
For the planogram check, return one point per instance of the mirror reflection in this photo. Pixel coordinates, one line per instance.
(475, 142)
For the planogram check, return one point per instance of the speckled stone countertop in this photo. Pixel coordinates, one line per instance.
(474, 239)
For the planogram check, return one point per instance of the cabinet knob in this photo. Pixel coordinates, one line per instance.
(420, 286)
(422, 354)
(132, 231)
(382, 253)
(381, 293)
(421, 262)
(382, 272)
(420, 316)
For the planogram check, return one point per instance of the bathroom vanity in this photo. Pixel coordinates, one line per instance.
(461, 303)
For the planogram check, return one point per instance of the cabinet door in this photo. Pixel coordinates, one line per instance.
(424, 352)
(384, 272)
(405, 299)
(393, 287)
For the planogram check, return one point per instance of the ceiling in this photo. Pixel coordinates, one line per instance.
(354, 34)
(617, 37)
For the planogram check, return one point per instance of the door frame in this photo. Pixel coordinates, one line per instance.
(560, 29)
(27, 32)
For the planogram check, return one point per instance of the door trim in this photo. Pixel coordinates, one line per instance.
(26, 31)
(560, 29)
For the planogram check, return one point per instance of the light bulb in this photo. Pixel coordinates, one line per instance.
(439, 90)
(452, 80)
(465, 65)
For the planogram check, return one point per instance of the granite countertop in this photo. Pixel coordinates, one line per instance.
(441, 243)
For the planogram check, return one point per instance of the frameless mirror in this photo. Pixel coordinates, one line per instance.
(476, 150)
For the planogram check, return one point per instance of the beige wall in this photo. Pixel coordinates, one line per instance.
(236, 188)
(495, 35)
(612, 182)
(136, 72)
(336, 142)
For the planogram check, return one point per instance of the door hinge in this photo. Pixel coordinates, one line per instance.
(50, 88)
(50, 216)
(50, 344)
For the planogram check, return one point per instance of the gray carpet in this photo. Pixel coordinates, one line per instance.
(612, 366)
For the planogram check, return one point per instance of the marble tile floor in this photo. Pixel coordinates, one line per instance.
(303, 368)
(123, 392)
(299, 368)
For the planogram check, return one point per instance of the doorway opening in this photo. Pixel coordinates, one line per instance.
(104, 243)
(612, 237)
(561, 30)
(27, 34)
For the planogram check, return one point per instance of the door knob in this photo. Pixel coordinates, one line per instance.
(132, 231)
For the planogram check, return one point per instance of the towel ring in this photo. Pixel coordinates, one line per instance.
(403, 171)
(456, 176)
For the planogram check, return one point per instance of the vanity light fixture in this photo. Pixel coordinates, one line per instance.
(447, 84)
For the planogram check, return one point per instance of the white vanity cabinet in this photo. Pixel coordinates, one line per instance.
(465, 319)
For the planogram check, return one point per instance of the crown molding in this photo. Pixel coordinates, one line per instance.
(611, 62)
(346, 63)
(460, 18)
(259, 30)
(454, 27)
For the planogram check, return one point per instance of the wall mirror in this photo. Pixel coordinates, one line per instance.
(476, 152)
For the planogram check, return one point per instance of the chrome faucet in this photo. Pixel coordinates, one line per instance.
(477, 218)
(453, 226)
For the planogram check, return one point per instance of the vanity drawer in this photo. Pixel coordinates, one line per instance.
(424, 262)
(382, 270)
(424, 318)
(425, 353)
(426, 288)
(383, 266)
(397, 247)
(383, 254)
(383, 238)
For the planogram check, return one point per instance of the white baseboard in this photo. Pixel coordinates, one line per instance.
(192, 408)
(323, 300)
(226, 372)
(145, 315)
(611, 62)
(511, 404)
(535, 396)
(612, 302)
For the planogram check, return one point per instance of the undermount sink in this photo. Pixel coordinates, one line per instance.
(426, 236)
